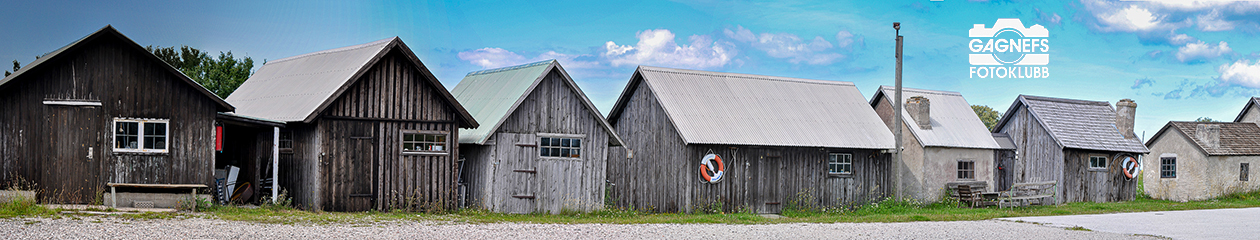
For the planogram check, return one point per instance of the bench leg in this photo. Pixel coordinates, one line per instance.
(194, 199)
(113, 197)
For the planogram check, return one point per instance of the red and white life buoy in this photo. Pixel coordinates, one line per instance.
(1132, 168)
(711, 168)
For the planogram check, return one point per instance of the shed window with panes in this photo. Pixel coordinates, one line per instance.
(141, 135)
(423, 142)
(286, 142)
(966, 170)
(1243, 172)
(1168, 167)
(560, 147)
(840, 163)
(1097, 162)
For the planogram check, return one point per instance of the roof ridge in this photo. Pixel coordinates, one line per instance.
(340, 49)
(510, 68)
(1064, 100)
(905, 89)
(744, 75)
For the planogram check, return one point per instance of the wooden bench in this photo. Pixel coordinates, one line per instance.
(113, 192)
(970, 192)
(1021, 194)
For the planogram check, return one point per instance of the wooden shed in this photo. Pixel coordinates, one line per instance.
(945, 143)
(707, 141)
(1079, 144)
(1201, 160)
(544, 146)
(104, 110)
(367, 127)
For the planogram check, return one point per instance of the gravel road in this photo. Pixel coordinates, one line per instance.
(199, 228)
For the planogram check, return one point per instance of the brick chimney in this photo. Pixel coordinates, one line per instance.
(1125, 110)
(1208, 134)
(921, 111)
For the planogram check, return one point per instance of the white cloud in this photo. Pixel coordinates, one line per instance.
(1202, 51)
(1130, 19)
(497, 57)
(1241, 73)
(792, 47)
(1214, 22)
(657, 47)
(1179, 39)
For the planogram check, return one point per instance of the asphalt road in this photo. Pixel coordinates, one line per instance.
(1238, 223)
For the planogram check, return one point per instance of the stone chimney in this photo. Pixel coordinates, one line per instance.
(1208, 134)
(921, 111)
(1125, 110)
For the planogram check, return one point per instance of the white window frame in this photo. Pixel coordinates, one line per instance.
(446, 148)
(581, 149)
(833, 159)
(166, 145)
(1104, 162)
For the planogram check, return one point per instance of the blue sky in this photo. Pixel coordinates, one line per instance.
(1178, 60)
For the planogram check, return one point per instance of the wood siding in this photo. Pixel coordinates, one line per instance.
(663, 174)
(1040, 158)
(49, 144)
(510, 165)
(350, 158)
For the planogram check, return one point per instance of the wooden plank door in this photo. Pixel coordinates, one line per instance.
(768, 178)
(72, 172)
(353, 179)
(1004, 161)
(519, 167)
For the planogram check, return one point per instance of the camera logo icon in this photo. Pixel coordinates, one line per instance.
(1008, 42)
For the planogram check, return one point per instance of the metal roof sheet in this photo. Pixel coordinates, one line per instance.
(1236, 139)
(743, 109)
(295, 89)
(109, 30)
(1077, 123)
(954, 123)
(1004, 141)
(492, 95)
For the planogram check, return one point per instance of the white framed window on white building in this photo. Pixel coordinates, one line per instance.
(141, 135)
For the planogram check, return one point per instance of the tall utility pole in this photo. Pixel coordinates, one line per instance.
(897, 118)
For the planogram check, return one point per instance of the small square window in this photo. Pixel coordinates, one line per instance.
(134, 135)
(1168, 167)
(840, 163)
(1097, 162)
(966, 170)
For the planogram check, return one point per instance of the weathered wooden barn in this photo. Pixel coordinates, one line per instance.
(104, 110)
(543, 147)
(1078, 144)
(945, 142)
(367, 127)
(1201, 160)
(706, 141)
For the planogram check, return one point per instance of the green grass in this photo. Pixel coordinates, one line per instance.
(885, 211)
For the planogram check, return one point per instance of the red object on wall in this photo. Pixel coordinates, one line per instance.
(218, 138)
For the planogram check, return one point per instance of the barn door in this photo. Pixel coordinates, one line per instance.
(353, 163)
(768, 178)
(1004, 162)
(520, 167)
(72, 174)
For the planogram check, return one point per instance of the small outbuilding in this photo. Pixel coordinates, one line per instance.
(944, 142)
(104, 110)
(699, 141)
(543, 147)
(366, 127)
(1250, 112)
(1080, 145)
(1201, 160)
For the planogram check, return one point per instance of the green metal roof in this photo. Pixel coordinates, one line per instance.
(492, 95)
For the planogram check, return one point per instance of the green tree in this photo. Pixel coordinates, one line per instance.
(16, 66)
(220, 75)
(1205, 119)
(987, 115)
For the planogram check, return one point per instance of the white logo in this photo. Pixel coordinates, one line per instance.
(1003, 50)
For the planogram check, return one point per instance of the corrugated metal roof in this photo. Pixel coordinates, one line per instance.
(291, 89)
(492, 95)
(1236, 138)
(744, 109)
(1004, 141)
(109, 29)
(295, 89)
(1077, 123)
(954, 123)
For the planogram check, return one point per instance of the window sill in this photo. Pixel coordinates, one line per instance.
(425, 153)
(561, 158)
(839, 175)
(116, 152)
(1097, 169)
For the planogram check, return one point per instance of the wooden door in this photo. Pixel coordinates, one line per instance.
(71, 174)
(1003, 175)
(518, 160)
(354, 159)
(768, 194)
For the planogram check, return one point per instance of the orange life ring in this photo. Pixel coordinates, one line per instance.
(1131, 167)
(706, 166)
